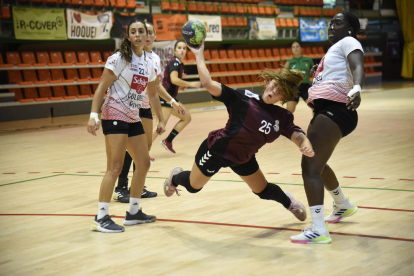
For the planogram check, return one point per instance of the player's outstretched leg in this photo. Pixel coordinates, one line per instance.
(169, 188)
(296, 208)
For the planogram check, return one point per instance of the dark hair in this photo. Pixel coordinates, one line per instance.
(125, 47)
(298, 42)
(176, 43)
(353, 22)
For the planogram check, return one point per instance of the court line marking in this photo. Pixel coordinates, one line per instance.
(215, 180)
(297, 174)
(288, 184)
(226, 224)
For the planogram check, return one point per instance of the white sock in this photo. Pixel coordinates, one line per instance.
(340, 198)
(317, 213)
(133, 205)
(103, 209)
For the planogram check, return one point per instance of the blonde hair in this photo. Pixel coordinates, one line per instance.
(287, 80)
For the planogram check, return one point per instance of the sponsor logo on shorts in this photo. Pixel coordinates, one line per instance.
(210, 171)
(330, 113)
(204, 158)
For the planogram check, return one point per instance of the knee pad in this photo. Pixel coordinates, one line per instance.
(183, 179)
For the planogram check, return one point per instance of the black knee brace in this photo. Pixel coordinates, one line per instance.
(183, 179)
(274, 192)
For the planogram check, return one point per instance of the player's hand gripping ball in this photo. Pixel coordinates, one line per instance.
(193, 33)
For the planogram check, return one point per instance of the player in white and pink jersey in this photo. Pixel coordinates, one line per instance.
(334, 97)
(127, 75)
(121, 193)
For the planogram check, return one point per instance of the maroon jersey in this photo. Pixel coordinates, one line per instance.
(252, 123)
(173, 65)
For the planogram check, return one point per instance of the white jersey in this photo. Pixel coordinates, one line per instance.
(334, 67)
(333, 79)
(157, 63)
(125, 97)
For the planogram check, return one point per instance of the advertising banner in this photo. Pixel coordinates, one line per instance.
(262, 28)
(312, 30)
(85, 26)
(212, 23)
(39, 24)
(121, 23)
(165, 50)
(168, 27)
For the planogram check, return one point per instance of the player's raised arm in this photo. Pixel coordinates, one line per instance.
(212, 86)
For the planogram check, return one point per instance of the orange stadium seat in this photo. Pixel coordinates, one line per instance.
(83, 58)
(120, 4)
(276, 53)
(190, 56)
(224, 21)
(192, 7)
(56, 58)
(207, 54)
(106, 55)
(224, 8)
(262, 10)
(165, 6)
(96, 58)
(131, 4)
(100, 3)
(240, 9)
(231, 21)
(232, 8)
(200, 7)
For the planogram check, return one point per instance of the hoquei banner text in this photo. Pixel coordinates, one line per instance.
(85, 26)
(39, 24)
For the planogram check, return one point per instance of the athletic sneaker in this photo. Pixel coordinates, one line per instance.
(106, 225)
(340, 213)
(152, 159)
(138, 218)
(169, 188)
(121, 194)
(148, 194)
(311, 235)
(167, 145)
(297, 208)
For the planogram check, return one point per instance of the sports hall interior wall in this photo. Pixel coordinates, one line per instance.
(387, 30)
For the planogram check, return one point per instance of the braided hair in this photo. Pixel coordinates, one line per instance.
(353, 22)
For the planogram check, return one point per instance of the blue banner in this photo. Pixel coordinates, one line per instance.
(312, 30)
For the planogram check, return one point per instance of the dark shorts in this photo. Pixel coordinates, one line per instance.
(121, 127)
(145, 113)
(345, 118)
(303, 92)
(210, 163)
(166, 104)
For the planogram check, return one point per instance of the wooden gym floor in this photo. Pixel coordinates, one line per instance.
(51, 171)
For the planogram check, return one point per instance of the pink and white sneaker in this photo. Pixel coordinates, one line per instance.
(167, 145)
(297, 208)
(152, 159)
(169, 188)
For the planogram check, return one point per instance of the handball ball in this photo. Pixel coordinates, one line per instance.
(193, 33)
